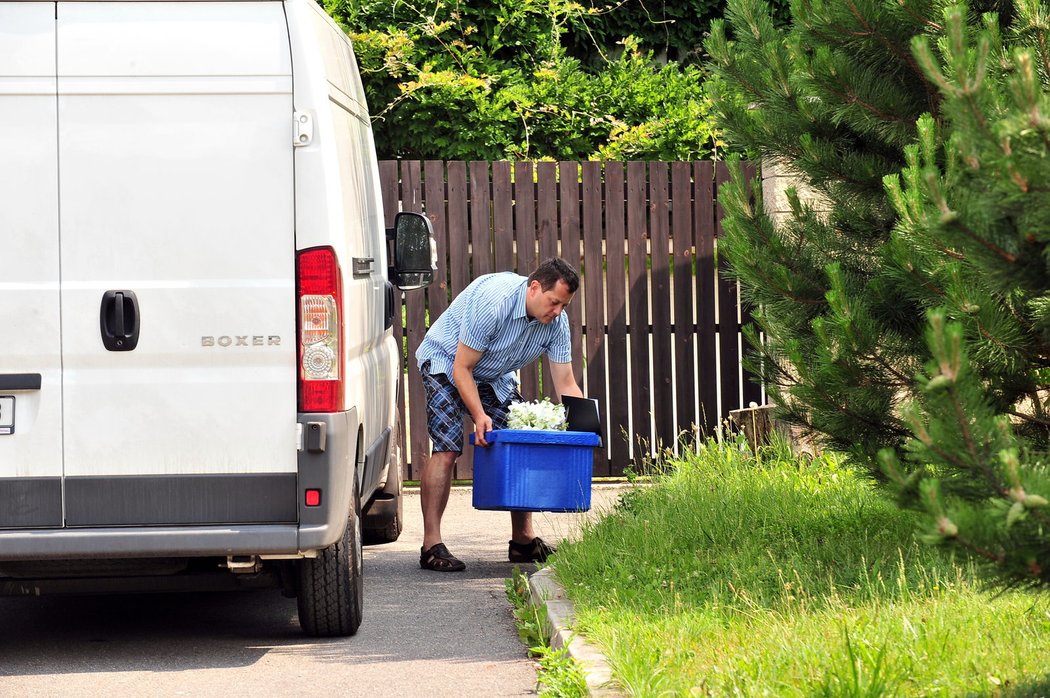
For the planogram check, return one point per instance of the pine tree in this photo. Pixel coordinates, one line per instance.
(909, 323)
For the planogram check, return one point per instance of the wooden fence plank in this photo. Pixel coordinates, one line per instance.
(437, 292)
(459, 265)
(569, 219)
(525, 238)
(547, 216)
(480, 220)
(638, 313)
(458, 228)
(547, 209)
(388, 179)
(594, 293)
(684, 285)
(502, 217)
(660, 292)
(728, 324)
(502, 220)
(525, 233)
(707, 367)
(752, 382)
(618, 417)
(434, 205)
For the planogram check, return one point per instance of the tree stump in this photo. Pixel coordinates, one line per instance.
(757, 425)
(755, 422)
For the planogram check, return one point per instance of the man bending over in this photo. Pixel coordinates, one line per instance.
(498, 324)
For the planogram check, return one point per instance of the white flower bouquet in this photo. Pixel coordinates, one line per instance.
(540, 414)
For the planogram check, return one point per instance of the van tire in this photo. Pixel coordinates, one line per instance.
(331, 585)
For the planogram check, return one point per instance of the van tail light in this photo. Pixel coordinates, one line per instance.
(321, 369)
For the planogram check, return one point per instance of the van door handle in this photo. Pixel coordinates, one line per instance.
(362, 266)
(19, 381)
(119, 320)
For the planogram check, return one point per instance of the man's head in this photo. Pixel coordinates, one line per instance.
(550, 289)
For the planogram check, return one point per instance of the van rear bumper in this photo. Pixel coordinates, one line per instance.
(175, 541)
(329, 464)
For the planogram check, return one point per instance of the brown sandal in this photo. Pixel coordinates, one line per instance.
(537, 550)
(439, 559)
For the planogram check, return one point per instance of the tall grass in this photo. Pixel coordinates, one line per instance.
(771, 575)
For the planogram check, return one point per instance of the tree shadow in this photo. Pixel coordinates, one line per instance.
(143, 632)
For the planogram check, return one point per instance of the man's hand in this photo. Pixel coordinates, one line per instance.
(481, 427)
(463, 376)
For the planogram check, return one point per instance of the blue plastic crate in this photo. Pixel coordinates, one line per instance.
(534, 470)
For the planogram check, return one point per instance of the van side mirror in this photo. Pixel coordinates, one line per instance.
(415, 251)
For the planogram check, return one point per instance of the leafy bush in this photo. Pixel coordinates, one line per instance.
(676, 29)
(492, 80)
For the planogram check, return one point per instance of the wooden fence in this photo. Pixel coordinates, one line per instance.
(655, 327)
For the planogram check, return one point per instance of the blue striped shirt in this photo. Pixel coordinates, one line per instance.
(489, 316)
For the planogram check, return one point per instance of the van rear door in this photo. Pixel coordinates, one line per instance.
(30, 347)
(176, 216)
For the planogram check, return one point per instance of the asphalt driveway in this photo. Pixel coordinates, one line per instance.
(424, 633)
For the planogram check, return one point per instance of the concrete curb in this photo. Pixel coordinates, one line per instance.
(546, 593)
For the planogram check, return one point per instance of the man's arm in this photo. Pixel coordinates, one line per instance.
(564, 380)
(463, 376)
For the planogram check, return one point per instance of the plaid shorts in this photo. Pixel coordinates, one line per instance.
(445, 410)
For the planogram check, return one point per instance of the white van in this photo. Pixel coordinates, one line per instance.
(198, 375)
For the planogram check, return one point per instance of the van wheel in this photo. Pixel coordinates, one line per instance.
(389, 501)
(331, 585)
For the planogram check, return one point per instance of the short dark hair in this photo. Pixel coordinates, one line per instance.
(554, 270)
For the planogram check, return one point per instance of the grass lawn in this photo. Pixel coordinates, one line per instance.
(773, 576)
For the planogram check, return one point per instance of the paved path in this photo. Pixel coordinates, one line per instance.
(424, 633)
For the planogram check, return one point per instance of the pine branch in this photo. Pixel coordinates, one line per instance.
(1044, 50)
(964, 427)
(1029, 418)
(849, 96)
(845, 410)
(880, 360)
(924, 281)
(984, 332)
(951, 369)
(903, 56)
(1040, 516)
(998, 558)
(787, 378)
(769, 284)
(919, 19)
(957, 224)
